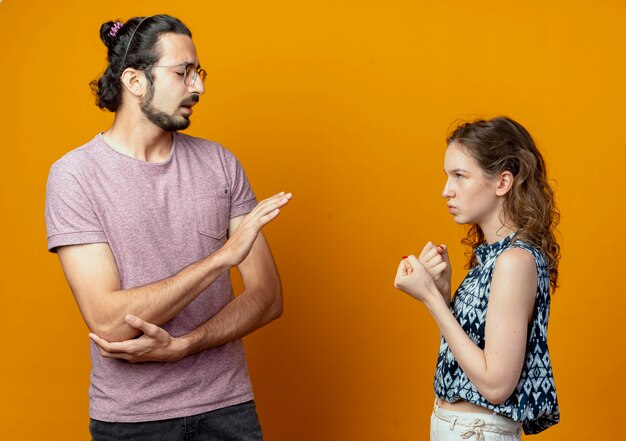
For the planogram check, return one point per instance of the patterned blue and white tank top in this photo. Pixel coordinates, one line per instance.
(534, 402)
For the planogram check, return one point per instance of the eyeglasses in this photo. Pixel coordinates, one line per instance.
(190, 73)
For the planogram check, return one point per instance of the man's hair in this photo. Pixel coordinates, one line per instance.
(132, 44)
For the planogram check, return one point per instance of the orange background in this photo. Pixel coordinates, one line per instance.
(346, 104)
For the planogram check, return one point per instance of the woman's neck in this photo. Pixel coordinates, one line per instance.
(496, 231)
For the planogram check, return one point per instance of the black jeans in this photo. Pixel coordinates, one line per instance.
(233, 423)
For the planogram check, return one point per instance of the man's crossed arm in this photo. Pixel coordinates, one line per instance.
(112, 314)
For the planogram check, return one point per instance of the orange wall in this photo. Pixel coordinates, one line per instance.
(346, 104)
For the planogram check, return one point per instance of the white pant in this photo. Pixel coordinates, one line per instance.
(447, 425)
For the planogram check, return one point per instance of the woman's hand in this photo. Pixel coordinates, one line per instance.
(435, 259)
(413, 278)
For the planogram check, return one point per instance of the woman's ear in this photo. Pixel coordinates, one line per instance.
(505, 183)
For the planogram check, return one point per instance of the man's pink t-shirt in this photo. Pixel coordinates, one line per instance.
(157, 218)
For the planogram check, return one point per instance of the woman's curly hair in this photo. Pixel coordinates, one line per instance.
(501, 144)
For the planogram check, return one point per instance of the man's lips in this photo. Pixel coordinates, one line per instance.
(187, 106)
(189, 103)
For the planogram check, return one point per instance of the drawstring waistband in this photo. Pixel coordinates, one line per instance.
(476, 427)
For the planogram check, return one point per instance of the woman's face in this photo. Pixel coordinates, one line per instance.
(471, 195)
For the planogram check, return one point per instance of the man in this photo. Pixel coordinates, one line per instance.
(147, 223)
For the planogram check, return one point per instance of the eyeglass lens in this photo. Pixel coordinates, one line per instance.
(192, 72)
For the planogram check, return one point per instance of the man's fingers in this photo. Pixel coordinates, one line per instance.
(142, 325)
(118, 355)
(102, 344)
(268, 209)
(119, 349)
(108, 347)
(269, 216)
(134, 350)
(273, 202)
(96, 339)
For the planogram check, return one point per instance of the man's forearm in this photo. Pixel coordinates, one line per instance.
(260, 303)
(92, 274)
(246, 313)
(240, 317)
(160, 301)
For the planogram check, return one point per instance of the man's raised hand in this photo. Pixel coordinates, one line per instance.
(240, 243)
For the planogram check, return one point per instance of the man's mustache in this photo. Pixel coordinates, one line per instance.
(193, 99)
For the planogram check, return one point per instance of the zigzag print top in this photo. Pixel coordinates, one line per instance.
(534, 401)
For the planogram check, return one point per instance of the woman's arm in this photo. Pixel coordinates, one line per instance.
(495, 371)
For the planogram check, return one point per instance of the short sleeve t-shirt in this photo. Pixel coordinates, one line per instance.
(157, 218)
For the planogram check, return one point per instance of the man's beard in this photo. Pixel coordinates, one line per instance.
(171, 123)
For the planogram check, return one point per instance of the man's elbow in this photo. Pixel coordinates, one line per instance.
(105, 319)
(277, 309)
(275, 305)
(112, 331)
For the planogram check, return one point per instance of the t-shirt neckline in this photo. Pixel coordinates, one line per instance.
(109, 148)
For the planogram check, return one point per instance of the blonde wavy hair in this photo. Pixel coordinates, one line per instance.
(501, 144)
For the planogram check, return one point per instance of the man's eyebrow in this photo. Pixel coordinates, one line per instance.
(186, 63)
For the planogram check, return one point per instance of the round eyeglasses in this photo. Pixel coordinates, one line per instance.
(189, 72)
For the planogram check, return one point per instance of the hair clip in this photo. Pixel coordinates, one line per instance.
(115, 28)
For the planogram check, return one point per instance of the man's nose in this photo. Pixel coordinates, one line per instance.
(197, 86)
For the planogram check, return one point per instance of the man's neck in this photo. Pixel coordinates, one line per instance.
(139, 138)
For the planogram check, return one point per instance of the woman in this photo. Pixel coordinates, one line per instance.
(493, 376)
